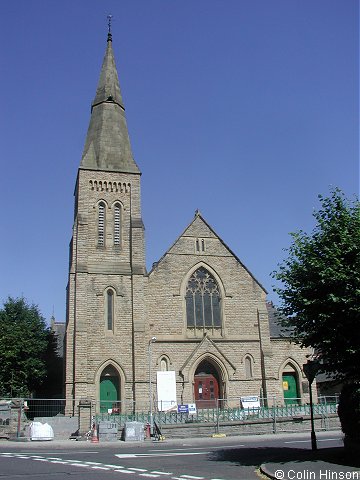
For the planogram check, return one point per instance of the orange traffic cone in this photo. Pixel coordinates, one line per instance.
(94, 436)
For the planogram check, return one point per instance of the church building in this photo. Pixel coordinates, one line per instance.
(198, 313)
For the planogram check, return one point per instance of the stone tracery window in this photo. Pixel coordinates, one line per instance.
(203, 300)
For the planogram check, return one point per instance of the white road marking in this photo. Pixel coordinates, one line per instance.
(173, 454)
(196, 448)
(141, 472)
(177, 449)
(33, 454)
(318, 440)
(191, 477)
(161, 473)
(328, 439)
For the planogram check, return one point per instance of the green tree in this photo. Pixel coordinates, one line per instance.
(24, 339)
(320, 286)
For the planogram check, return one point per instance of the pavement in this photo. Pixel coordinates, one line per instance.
(322, 464)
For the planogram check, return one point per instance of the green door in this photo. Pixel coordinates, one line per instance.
(109, 393)
(290, 389)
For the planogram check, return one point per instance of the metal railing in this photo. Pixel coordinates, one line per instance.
(227, 411)
(222, 410)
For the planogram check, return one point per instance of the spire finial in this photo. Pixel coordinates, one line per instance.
(109, 37)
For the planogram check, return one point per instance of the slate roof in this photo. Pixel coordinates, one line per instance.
(276, 330)
(59, 329)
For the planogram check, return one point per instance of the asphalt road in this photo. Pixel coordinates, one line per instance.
(231, 458)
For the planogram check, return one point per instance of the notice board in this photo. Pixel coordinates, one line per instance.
(166, 390)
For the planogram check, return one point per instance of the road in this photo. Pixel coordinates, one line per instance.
(231, 458)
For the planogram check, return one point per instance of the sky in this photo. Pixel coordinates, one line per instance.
(243, 109)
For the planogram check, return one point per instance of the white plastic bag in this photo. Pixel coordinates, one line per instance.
(41, 431)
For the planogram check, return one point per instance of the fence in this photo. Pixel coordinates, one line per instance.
(223, 410)
(269, 415)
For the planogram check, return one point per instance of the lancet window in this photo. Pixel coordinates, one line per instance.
(101, 224)
(248, 367)
(110, 309)
(164, 365)
(117, 224)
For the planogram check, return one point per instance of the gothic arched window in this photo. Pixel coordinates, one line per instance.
(248, 367)
(110, 309)
(203, 300)
(164, 366)
(117, 224)
(101, 224)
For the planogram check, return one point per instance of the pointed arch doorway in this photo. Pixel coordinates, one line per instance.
(110, 390)
(290, 383)
(207, 386)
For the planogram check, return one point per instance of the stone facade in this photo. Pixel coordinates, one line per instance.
(115, 306)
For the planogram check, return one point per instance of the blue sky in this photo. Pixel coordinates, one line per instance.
(244, 109)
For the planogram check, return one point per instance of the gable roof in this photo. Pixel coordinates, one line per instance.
(210, 346)
(190, 230)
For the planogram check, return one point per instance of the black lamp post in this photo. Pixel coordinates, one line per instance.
(310, 369)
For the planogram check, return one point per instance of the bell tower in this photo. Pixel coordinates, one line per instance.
(105, 291)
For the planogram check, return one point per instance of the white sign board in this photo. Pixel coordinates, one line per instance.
(166, 390)
(251, 402)
(192, 409)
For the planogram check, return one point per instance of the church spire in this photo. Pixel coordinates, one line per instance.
(107, 145)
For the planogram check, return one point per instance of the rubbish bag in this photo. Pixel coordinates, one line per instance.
(41, 431)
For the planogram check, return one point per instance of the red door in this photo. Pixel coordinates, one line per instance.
(206, 390)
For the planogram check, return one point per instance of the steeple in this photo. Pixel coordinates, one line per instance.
(107, 145)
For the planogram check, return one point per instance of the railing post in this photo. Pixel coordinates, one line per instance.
(18, 430)
(274, 419)
(217, 415)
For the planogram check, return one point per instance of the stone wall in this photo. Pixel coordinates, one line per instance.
(257, 427)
